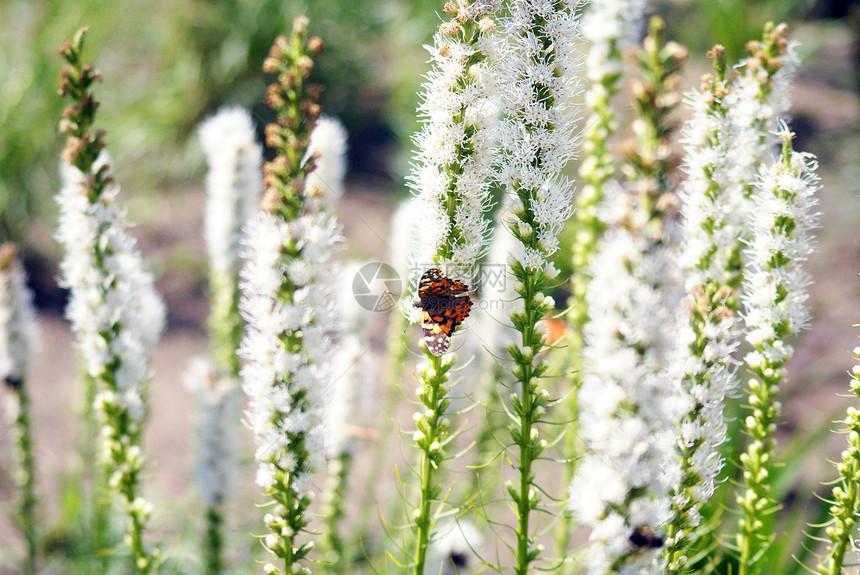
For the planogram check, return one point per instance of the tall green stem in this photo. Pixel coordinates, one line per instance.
(431, 437)
(334, 512)
(214, 542)
(26, 472)
(846, 493)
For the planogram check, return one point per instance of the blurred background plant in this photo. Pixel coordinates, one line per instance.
(173, 63)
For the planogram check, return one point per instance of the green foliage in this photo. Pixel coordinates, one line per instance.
(729, 22)
(172, 63)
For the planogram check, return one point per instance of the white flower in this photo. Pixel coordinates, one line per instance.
(328, 146)
(537, 135)
(353, 370)
(754, 107)
(234, 186)
(455, 154)
(110, 291)
(782, 223)
(630, 400)
(609, 25)
(287, 388)
(713, 225)
(455, 549)
(18, 330)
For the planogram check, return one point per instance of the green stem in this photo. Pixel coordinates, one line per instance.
(334, 511)
(212, 548)
(525, 441)
(486, 444)
(433, 431)
(755, 503)
(27, 466)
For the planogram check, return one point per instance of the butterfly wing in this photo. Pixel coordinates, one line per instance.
(437, 332)
(435, 284)
(445, 304)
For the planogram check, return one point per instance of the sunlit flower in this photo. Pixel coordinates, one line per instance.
(111, 293)
(774, 302)
(630, 399)
(328, 148)
(454, 149)
(233, 185)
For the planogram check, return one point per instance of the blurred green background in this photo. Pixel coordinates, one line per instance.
(169, 63)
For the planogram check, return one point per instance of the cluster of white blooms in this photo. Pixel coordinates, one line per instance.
(328, 146)
(775, 287)
(277, 373)
(18, 329)
(234, 185)
(607, 25)
(455, 146)
(291, 339)
(116, 313)
(712, 216)
(630, 401)
(537, 67)
(711, 257)
(759, 96)
(774, 301)
(217, 408)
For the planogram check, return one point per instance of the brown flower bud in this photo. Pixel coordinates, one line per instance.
(273, 135)
(312, 110)
(271, 200)
(72, 149)
(271, 65)
(315, 45)
(91, 73)
(723, 313)
(718, 51)
(450, 28)
(274, 96)
(315, 190)
(487, 25)
(66, 125)
(677, 51)
(305, 64)
(314, 91)
(300, 24)
(724, 293)
(7, 255)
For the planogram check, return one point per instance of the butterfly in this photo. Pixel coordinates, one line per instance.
(445, 303)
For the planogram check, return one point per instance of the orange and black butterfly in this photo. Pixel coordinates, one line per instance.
(445, 303)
